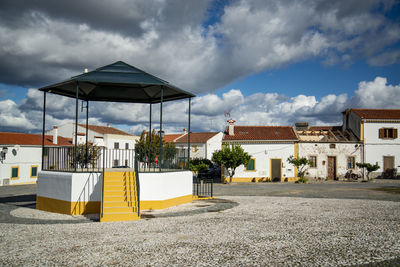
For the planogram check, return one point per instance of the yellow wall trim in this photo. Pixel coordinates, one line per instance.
(163, 204)
(76, 208)
(362, 131)
(66, 207)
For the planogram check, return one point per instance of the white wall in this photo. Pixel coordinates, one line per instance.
(213, 144)
(322, 151)
(263, 153)
(74, 187)
(24, 157)
(110, 139)
(167, 185)
(376, 148)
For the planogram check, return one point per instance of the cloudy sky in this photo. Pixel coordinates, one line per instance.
(260, 62)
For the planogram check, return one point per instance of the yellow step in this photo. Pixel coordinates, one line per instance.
(119, 175)
(119, 193)
(119, 209)
(119, 182)
(107, 198)
(117, 217)
(128, 188)
(110, 204)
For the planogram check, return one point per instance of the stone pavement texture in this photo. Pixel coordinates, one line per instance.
(292, 229)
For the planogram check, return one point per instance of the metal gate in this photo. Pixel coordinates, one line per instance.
(203, 187)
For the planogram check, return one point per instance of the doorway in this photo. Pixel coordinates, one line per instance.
(276, 170)
(388, 166)
(331, 168)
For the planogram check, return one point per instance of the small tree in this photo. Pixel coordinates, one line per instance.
(231, 156)
(301, 164)
(199, 165)
(148, 150)
(370, 168)
(84, 157)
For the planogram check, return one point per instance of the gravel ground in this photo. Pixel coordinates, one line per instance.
(233, 231)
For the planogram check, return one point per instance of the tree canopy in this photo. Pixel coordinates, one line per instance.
(231, 157)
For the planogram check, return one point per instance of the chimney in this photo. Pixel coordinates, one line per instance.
(301, 126)
(108, 124)
(231, 126)
(55, 135)
(184, 131)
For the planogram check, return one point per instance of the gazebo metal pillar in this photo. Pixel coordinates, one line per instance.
(188, 159)
(44, 125)
(149, 156)
(76, 128)
(161, 106)
(87, 132)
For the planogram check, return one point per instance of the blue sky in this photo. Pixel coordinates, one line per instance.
(263, 62)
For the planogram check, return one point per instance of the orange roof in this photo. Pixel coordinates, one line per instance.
(169, 138)
(378, 113)
(261, 133)
(196, 137)
(104, 129)
(32, 139)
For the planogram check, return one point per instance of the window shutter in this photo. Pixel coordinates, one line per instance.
(394, 133)
(381, 133)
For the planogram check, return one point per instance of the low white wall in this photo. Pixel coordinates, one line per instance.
(167, 185)
(74, 187)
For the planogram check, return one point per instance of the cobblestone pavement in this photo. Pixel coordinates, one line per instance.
(250, 224)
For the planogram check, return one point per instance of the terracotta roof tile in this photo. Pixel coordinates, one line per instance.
(104, 129)
(261, 133)
(32, 139)
(378, 113)
(196, 137)
(171, 137)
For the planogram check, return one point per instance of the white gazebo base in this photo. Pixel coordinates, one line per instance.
(80, 193)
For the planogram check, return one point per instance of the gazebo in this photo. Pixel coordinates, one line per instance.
(117, 82)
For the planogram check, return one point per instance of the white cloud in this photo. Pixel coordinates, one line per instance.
(209, 112)
(377, 94)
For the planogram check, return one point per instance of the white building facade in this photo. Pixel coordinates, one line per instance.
(202, 145)
(21, 156)
(269, 148)
(377, 129)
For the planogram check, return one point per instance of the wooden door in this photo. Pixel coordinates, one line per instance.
(388, 166)
(276, 169)
(332, 168)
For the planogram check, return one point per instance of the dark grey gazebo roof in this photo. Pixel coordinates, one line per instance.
(118, 82)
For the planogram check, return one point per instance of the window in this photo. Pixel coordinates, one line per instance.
(332, 146)
(116, 145)
(251, 166)
(34, 171)
(15, 172)
(351, 162)
(126, 145)
(313, 161)
(388, 133)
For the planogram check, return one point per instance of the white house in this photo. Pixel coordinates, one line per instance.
(333, 152)
(110, 137)
(202, 145)
(21, 156)
(269, 147)
(377, 129)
